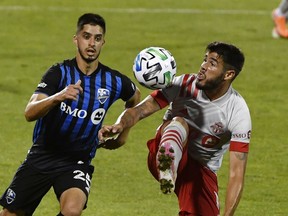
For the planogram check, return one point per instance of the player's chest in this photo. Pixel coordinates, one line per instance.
(206, 117)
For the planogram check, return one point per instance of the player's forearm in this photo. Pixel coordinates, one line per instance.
(128, 118)
(122, 137)
(132, 115)
(233, 196)
(39, 106)
(238, 161)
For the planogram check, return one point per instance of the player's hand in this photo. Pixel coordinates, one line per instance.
(71, 92)
(108, 131)
(110, 144)
(107, 136)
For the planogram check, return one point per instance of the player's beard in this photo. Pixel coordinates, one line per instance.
(210, 84)
(88, 59)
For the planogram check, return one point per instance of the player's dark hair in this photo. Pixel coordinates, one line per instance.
(232, 56)
(92, 19)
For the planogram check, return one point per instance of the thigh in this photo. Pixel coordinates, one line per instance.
(79, 176)
(197, 190)
(26, 190)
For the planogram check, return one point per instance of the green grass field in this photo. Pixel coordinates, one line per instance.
(36, 34)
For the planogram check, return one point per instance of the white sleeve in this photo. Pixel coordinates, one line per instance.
(240, 127)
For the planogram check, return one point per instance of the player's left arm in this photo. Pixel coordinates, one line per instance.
(238, 162)
(121, 138)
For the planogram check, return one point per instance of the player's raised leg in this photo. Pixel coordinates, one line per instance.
(173, 140)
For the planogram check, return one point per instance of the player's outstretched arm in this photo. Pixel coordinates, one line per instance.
(132, 102)
(114, 142)
(238, 161)
(129, 118)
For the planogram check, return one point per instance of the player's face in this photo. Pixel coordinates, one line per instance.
(89, 42)
(211, 74)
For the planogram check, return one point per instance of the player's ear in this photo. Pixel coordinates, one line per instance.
(230, 74)
(75, 39)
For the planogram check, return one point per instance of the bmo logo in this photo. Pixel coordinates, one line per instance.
(96, 116)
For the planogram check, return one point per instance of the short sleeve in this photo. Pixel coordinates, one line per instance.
(49, 83)
(128, 88)
(241, 127)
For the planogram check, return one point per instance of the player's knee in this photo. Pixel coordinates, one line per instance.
(71, 210)
(179, 124)
(182, 121)
(72, 202)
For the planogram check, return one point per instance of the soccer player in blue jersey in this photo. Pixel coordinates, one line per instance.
(69, 104)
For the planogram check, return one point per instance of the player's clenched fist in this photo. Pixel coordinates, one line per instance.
(71, 92)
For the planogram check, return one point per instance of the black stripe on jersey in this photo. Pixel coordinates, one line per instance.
(69, 73)
(90, 107)
(80, 102)
(104, 83)
(113, 85)
(50, 129)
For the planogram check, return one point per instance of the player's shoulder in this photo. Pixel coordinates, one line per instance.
(64, 63)
(115, 73)
(106, 68)
(238, 100)
(236, 95)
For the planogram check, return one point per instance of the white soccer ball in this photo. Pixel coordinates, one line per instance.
(154, 68)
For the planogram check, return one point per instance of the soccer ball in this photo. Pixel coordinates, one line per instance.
(154, 68)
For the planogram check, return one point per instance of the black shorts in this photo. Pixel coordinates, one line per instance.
(29, 186)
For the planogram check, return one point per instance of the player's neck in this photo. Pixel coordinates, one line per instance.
(87, 68)
(216, 93)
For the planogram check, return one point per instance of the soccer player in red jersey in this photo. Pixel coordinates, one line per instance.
(206, 117)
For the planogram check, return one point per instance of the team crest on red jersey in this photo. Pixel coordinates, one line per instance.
(217, 128)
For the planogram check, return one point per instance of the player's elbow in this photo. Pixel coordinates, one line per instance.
(29, 116)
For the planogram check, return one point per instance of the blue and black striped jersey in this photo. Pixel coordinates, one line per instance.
(71, 128)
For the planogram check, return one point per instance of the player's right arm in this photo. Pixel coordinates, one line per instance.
(40, 104)
(238, 163)
(129, 118)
